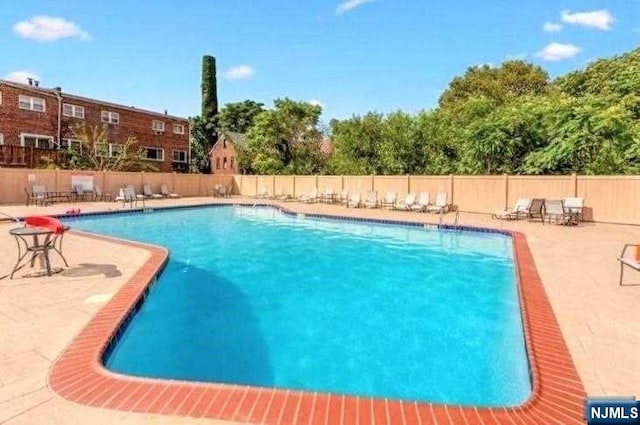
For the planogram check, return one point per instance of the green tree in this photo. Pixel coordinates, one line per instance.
(357, 144)
(239, 116)
(209, 98)
(503, 84)
(286, 139)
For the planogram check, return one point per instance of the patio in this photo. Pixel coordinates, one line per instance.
(600, 321)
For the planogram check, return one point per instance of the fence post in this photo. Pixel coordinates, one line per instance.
(451, 185)
(256, 193)
(240, 188)
(57, 189)
(341, 184)
(294, 186)
(373, 182)
(506, 191)
(575, 184)
(274, 186)
(408, 184)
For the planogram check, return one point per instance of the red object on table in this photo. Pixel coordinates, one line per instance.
(50, 223)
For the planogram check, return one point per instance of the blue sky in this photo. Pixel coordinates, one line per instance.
(352, 56)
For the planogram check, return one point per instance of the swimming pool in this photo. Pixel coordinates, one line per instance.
(256, 297)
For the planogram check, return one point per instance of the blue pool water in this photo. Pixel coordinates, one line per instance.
(253, 296)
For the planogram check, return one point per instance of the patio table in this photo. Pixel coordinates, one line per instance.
(28, 240)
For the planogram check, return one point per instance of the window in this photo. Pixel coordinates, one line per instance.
(36, 141)
(231, 163)
(75, 111)
(1, 139)
(31, 103)
(115, 149)
(224, 163)
(102, 149)
(218, 163)
(0, 98)
(153, 154)
(178, 129)
(71, 144)
(110, 117)
(157, 125)
(179, 156)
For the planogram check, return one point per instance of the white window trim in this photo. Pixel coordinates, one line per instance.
(157, 125)
(0, 98)
(180, 126)
(70, 142)
(31, 103)
(111, 146)
(186, 160)
(36, 136)
(110, 115)
(74, 110)
(1, 139)
(154, 159)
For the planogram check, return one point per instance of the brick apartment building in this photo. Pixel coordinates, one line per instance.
(223, 154)
(42, 118)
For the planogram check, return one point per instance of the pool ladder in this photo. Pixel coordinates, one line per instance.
(455, 222)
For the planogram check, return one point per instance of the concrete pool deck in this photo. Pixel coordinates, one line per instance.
(40, 316)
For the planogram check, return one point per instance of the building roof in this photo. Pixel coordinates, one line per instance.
(238, 139)
(54, 92)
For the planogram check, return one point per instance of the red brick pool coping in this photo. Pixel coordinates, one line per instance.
(79, 376)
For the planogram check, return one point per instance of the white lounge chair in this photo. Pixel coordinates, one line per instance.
(408, 203)
(520, 209)
(312, 197)
(574, 206)
(263, 193)
(148, 193)
(328, 195)
(372, 199)
(164, 190)
(128, 194)
(389, 200)
(283, 195)
(344, 197)
(554, 208)
(354, 201)
(441, 205)
(424, 199)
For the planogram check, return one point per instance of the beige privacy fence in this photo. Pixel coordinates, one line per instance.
(609, 199)
(612, 199)
(14, 181)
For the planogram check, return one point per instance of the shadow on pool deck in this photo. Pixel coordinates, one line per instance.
(186, 331)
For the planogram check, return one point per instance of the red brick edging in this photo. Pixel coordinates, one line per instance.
(78, 374)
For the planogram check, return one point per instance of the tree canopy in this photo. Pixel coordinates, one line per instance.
(239, 116)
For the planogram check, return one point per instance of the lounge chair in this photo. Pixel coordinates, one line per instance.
(630, 261)
(372, 199)
(128, 194)
(355, 201)
(99, 195)
(148, 193)
(536, 209)
(79, 193)
(312, 197)
(389, 200)
(408, 203)
(441, 205)
(263, 193)
(520, 209)
(328, 195)
(344, 197)
(423, 202)
(283, 196)
(554, 208)
(37, 195)
(164, 191)
(574, 207)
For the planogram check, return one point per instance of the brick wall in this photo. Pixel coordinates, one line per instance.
(223, 149)
(135, 123)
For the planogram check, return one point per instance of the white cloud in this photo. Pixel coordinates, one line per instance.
(349, 5)
(517, 56)
(552, 27)
(48, 28)
(598, 19)
(240, 72)
(558, 51)
(21, 76)
(316, 102)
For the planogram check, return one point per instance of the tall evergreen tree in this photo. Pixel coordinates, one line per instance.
(209, 98)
